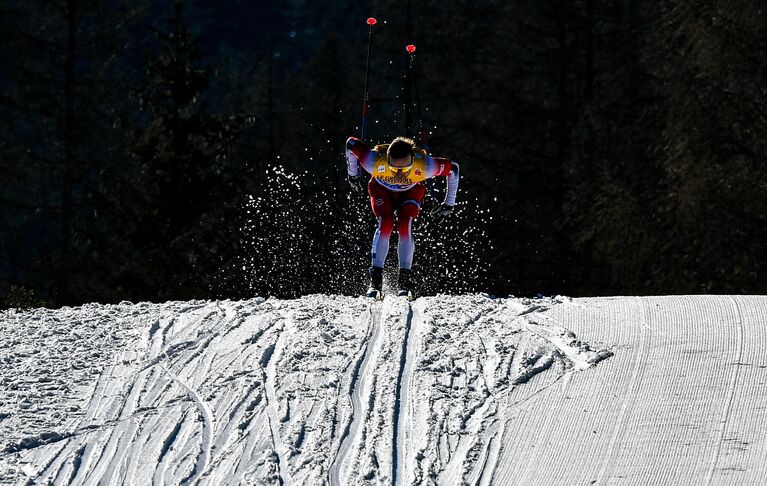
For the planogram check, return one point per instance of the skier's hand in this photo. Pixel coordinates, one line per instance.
(357, 182)
(441, 211)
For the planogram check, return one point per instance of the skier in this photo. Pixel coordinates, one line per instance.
(398, 170)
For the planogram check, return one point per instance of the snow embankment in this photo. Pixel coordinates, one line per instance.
(339, 390)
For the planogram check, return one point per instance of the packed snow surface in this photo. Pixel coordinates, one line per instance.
(340, 390)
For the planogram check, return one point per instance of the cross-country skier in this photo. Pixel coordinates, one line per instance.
(398, 172)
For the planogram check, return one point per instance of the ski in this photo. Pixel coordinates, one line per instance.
(408, 294)
(375, 294)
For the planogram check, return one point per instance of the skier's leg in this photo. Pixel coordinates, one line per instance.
(380, 201)
(381, 240)
(406, 246)
(407, 212)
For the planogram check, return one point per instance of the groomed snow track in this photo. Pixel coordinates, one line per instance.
(338, 390)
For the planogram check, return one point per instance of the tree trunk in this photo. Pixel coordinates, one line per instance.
(69, 153)
(562, 138)
(589, 90)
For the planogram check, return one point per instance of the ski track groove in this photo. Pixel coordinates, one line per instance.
(207, 428)
(128, 427)
(249, 438)
(353, 429)
(730, 393)
(235, 411)
(76, 464)
(246, 458)
(233, 322)
(495, 433)
(490, 462)
(636, 370)
(108, 449)
(399, 452)
(158, 477)
(272, 410)
(163, 361)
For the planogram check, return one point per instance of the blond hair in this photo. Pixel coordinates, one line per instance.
(400, 147)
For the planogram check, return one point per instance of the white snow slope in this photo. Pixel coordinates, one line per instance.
(339, 390)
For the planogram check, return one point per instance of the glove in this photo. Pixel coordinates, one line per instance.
(357, 182)
(441, 211)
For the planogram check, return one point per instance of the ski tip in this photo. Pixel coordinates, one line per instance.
(372, 21)
(410, 48)
(377, 295)
(410, 296)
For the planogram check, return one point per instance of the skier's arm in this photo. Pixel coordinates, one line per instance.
(440, 166)
(358, 153)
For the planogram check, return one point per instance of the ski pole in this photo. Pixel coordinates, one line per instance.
(430, 189)
(371, 22)
(411, 54)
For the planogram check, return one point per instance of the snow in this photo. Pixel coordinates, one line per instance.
(339, 390)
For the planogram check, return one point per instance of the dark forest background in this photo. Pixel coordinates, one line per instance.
(155, 150)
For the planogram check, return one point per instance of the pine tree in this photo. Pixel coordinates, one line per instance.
(711, 60)
(171, 212)
(62, 71)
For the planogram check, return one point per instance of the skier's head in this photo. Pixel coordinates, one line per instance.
(400, 153)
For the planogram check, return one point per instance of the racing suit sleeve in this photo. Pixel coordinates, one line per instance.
(440, 166)
(358, 154)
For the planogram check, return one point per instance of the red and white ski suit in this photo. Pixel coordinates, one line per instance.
(398, 191)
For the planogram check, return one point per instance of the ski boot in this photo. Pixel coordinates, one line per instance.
(406, 285)
(376, 282)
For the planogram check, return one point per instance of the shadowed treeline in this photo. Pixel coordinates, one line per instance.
(606, 147)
